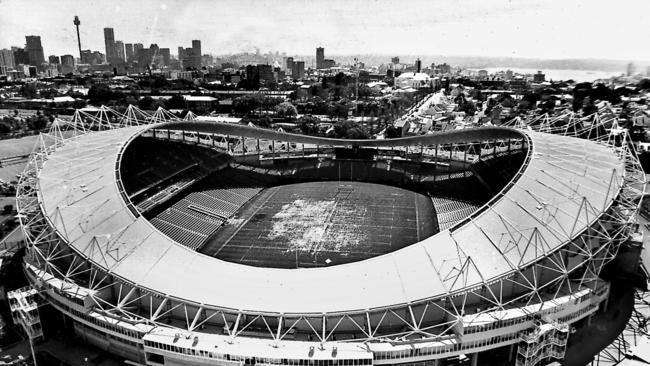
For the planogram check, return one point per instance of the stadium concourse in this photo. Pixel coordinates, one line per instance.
(173, 242)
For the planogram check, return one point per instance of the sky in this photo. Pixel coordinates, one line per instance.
(548, 29)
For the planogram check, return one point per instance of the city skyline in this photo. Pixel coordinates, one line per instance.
(490, 29)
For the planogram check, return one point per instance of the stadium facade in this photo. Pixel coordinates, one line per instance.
(522, 265)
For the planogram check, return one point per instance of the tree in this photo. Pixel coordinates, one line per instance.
(78, 103)
(350, 130)
(49, 93)
(102, 94)
(309, 125)
(146, 103)
(247, 103)
(29, 91)
(176, 102)
(5, 127)
(37, 122)
(286, 109)
(338, 110)
(644, 84)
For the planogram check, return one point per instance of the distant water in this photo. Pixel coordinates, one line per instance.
(560, 74)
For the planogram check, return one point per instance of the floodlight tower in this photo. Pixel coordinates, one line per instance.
(77, 22)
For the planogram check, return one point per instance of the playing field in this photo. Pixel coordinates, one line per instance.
(323, 224)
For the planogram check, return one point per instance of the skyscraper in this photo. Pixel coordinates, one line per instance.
(20, 56)
(196, 53)
(166, 56)
(7, 58)
(53, 59)
(289, 65)
(418, 65)
(67, 64)
(298, 70)
(119, 51)
(190, 57)
(320, 57)
(130, 55)
(34, 50)
(109, 42)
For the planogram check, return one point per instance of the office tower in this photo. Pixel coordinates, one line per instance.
(77, 22)
(320, 57)
(92, 58)
(67, 64)
(143, 56)
(20, 56)
(54, 59)
(136, 48)
(34, 50)
(418, 65)
(7, 58)
(289, 65)
(265, 72)
(196, 54)
(395, 60)
(119, 51)
(109, 42)
(67, 60)
(130, 56)
(85, 56)
(166, 56)
(298, 70)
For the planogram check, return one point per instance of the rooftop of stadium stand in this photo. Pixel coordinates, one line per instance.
(562, 188)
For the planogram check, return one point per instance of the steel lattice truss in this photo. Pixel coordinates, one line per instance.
(435, 318)
(635, 330)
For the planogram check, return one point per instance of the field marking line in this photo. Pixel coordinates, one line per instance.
(275, 189)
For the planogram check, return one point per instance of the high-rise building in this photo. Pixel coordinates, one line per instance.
(109, 42)
(190, 57)
(67, 64)
(395, 60)
(265, 72)
(119, 51)
(7, 58)
(630, 69)
(298, 70)
(128, 53)
(34, 50)
(92, 57)
(53, 59)
(166, 56)
(328, 63)
(418, 65)
(20, 56)
(143, 56)
(289, 65)
(196, 53)
(320, 57)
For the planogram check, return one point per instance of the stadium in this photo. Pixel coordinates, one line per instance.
(170, 242)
